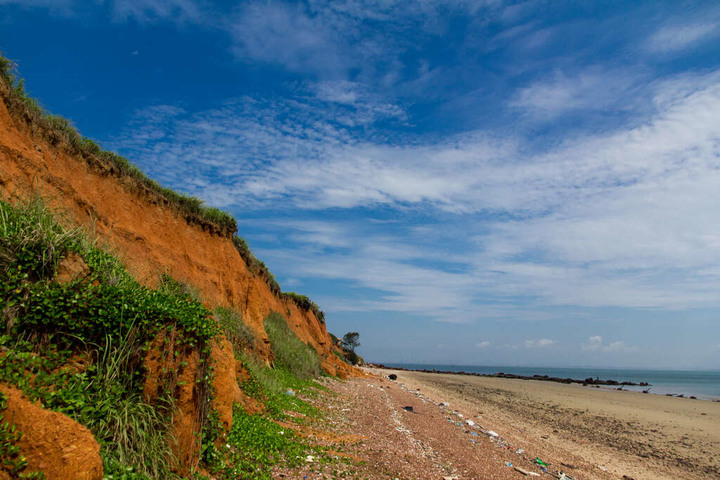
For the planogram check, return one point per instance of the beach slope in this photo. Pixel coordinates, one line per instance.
(582, 431)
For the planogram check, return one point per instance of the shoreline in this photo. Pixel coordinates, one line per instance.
(603, 384)
(641, 436)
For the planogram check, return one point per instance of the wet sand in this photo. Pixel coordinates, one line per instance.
(620, 433)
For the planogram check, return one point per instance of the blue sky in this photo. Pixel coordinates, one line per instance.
(467, 182)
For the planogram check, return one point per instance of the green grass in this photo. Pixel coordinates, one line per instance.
(254, 265)
(236, 331)
(107, 321)
(289, 351)
(269, 385)
(304, 302)
(256, 443)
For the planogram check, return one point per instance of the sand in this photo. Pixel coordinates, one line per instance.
(600, 432)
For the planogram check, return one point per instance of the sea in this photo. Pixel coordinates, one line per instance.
(701, 384)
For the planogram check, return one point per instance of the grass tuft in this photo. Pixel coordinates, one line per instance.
(236, 331)
(289, 351)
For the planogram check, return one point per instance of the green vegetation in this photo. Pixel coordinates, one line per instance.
(289, 351)
(236, 331)
(257, 443)
(305, 303)
(269, 386)
(256, 266)
(77, 348)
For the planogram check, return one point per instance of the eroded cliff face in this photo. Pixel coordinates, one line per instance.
(150, 236)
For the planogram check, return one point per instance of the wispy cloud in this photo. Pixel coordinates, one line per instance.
(596, 344)
(146, 11)
(618, 219)
(592, 89)
(539, 343)
(676, 38)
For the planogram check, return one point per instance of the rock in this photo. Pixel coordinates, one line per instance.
(53, 443)
(392, 376)
(71, 268)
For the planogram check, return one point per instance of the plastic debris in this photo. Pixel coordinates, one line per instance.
(310, 458)
(540, 462)
(602, 468)
(409, 409)
(492, 434)
(470, 422)
(290, 392)
(520, 451)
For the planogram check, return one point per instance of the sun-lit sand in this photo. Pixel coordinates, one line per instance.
(643, 436)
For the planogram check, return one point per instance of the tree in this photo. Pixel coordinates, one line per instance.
(351, 341)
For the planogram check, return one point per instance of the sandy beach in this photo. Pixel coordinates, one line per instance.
(641, 436)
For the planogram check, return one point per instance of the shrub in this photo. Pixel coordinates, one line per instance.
(289, 351)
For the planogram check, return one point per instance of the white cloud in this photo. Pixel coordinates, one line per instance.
(593, 89)
(540, 343)
(483, 344)
(624, 218)
(675, 38)
(595, 344)
(60, 7)
(150, 10)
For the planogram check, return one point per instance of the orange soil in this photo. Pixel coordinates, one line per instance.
(53, 443)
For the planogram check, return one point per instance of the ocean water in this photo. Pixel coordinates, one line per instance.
(701, 384)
